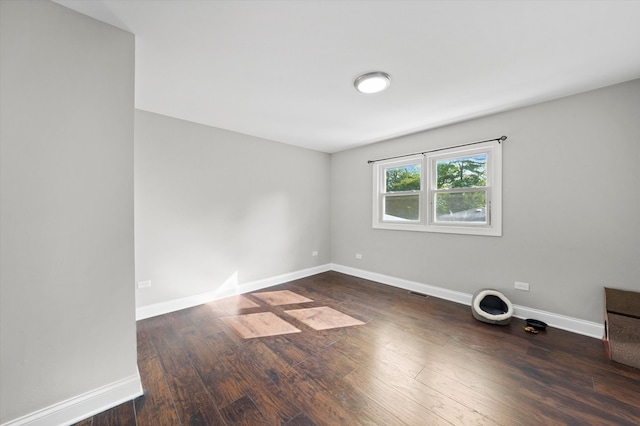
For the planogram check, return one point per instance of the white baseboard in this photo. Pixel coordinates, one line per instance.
(149, 311)
(86, 405)
(439, 292)
(574, 325)
(83, 406)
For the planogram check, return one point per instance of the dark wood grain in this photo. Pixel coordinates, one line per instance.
(416, 360)
(156, 406)
(122, 415)
(243, 412)
(191, 398)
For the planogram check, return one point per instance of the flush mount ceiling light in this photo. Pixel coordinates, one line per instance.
(372, 82)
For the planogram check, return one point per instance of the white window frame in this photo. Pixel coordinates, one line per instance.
(380, 194)
(428, 190)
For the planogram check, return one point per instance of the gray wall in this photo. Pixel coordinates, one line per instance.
(214, 207)
(66, 218)
(570, 216)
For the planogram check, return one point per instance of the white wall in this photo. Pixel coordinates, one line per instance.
(571, 203)
(66, 218)
(216, 209)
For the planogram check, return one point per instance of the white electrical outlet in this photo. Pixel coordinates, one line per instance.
(314, 253)
(144, 284)
(358, 256)
(521, 286)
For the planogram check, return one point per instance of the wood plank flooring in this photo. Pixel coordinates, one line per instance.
(416, 361)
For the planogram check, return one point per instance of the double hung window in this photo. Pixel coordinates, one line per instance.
(456, 190)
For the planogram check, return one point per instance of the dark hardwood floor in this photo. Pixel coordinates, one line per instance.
(416, 361)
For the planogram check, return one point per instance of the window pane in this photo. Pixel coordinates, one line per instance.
(462, 172)
(462, 207)
(404, 178)
(402, 207)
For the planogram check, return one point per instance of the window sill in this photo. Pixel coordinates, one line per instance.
(489, 231)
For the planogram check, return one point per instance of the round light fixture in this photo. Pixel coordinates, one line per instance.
(372, 82)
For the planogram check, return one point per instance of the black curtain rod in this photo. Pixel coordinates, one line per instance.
(500, 140)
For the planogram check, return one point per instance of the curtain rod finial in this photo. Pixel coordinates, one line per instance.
(503, 138)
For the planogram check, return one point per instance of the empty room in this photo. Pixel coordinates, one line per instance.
(319, 212)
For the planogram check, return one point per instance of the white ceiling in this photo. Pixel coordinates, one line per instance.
(284, 70)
